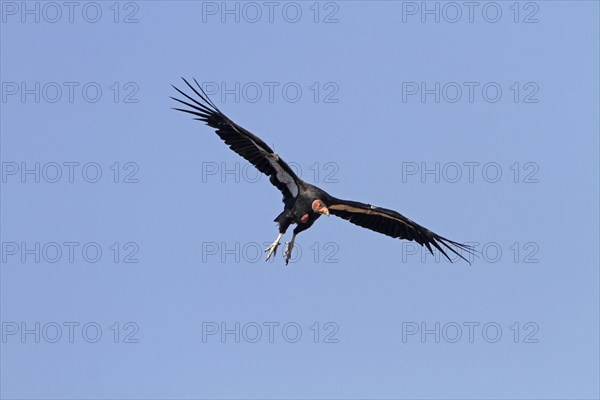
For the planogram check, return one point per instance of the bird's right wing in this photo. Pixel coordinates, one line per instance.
(243, 142)
(394, 224)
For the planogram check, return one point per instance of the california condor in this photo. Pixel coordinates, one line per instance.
(303, 202)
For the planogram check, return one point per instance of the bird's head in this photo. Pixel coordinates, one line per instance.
(319, 207)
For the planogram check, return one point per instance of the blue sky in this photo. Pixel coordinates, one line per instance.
(131, 236)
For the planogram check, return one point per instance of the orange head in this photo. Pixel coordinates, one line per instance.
(319, 207)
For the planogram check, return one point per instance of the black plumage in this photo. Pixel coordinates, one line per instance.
(305, 203)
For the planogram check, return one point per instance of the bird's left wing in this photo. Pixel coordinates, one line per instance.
(243, 142)
(394, 224)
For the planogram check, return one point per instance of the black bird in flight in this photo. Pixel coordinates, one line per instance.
(303, 202)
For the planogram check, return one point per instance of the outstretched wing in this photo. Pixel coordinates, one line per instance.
(394, 224)
(243, 142)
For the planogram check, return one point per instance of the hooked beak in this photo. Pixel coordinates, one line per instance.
(324, 211)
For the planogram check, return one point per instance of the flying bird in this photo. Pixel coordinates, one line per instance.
(305, 203)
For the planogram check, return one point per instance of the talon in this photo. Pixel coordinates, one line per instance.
(287, 253)
(272, 249)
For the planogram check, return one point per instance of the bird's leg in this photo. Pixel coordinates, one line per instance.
(272, 249)
(287, 253)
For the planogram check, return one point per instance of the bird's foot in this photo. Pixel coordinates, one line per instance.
(287, 253)
(272, 249)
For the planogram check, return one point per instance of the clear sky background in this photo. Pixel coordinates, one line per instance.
(180, 219)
